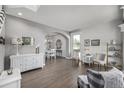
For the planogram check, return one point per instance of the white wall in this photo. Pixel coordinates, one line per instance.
(2, 48)
(104, 32)
(17, 27)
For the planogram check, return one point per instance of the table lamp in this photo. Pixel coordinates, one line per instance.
(17, 41)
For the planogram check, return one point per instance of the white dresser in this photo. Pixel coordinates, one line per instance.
(27, 62)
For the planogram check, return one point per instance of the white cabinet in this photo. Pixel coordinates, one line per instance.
(27, 61)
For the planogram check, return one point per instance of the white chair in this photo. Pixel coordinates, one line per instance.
(76, 57)
(47, 54)
(101, 60)
(53, 53)
(87, 58)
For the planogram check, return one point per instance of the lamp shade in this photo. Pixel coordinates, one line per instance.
(16, 41)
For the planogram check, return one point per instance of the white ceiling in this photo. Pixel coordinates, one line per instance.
(70, 17)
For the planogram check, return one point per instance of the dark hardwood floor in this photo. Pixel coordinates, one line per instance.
(56, 74)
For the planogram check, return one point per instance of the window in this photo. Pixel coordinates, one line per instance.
(76, 42)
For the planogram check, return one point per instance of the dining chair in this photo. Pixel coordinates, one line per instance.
(53, 53)
(101, 60)
(76, 57)
(88, 58)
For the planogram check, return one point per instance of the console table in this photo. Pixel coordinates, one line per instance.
(58, 52)
(27, 61)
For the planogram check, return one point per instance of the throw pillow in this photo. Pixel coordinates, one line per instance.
(95, 79)
(113, 78)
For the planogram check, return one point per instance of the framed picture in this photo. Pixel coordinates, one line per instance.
(95, 42)
(87, 42)
(28, 40)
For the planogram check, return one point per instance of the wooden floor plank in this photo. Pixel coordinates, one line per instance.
(56, 74)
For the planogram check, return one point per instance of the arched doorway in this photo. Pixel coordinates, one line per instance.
(59, 42)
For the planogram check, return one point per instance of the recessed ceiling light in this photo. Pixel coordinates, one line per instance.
(20, 14)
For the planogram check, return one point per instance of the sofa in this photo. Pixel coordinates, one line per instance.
(113, 78)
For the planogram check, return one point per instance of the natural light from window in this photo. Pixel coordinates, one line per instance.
(76, 42)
